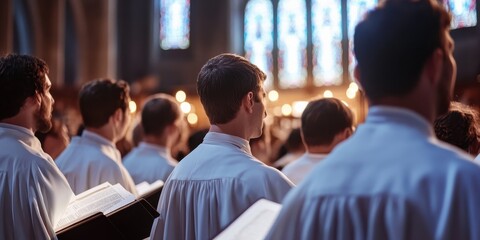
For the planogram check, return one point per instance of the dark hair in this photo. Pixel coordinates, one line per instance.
(99, 99)
(393, 43)
(324, 118)
(21, 76)
(158, 112)
(196, 138)
(294, 140)
(459, 126)
(222, 83)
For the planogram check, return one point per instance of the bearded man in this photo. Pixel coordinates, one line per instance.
(33, 192)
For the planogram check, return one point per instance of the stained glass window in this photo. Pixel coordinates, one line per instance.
(292, 43)
(464, 12)
(356, 10)
(327, 42)
(174, 24)
(259, 36)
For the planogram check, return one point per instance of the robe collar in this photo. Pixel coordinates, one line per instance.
(91, 136)
(163, 151)
(216, 138)
(316, 156)
(24, 134)
(102, 143)
(400, 116)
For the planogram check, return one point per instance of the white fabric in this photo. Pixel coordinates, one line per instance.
(33, 192)
(298, 169)
(212, 186)
(287, 159)
(149, 162)
(477, 158)
(391, 180)
(91, 160)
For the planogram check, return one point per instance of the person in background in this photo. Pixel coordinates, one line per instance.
(56, 139)
(33, 192)
(294, 149)
(137, 134)
(325, 123)
(196, 139)
(220, 179)
(261, 147)
(161, 121)
(459, 127)
(92, 158)
(393, 179)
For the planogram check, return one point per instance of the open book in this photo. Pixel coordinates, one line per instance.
(254, 223)
(144, 188)
(103, 198)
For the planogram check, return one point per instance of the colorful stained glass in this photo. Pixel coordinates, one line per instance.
(464, 12)
(174, 24)
(356, 10)
(258, 36)
(292, 43)
(327, 42)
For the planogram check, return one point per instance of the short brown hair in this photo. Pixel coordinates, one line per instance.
(324, 118)
(222, 83)
(159, 111)
(99, 99)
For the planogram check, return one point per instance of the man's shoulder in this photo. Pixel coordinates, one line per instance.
(85, 154)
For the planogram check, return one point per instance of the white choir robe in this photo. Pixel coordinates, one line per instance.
(212, 186)
(149, 163)
(287, 159)
(91, 160)
(298, 169)
(33, 192)
(391, 180)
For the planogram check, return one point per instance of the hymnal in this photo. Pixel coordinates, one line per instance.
(254, 223)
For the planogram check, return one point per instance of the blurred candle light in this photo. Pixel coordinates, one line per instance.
(192, 118)
(351, 93)
(273, 96)
(298, 107)
(328, 94)
(181, 96)
(185, 107)
(132, 106)
(286, 109)
(353, 86)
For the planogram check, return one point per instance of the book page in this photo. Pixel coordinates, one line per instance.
(145, 188)
(103, 198)
(254, 223)
(142, 188)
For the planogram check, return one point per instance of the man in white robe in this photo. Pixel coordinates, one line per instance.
(325, 122)
(33, 192)
(92, 159)
(161, 123)
(393, 179)
(220, 179)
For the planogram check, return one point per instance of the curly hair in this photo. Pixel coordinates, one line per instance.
(21, 76)
(459, 126)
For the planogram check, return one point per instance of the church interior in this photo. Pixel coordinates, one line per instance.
(305, 49)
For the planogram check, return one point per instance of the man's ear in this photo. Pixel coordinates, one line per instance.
(248, 102)
(434, 65)
(118, 115)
